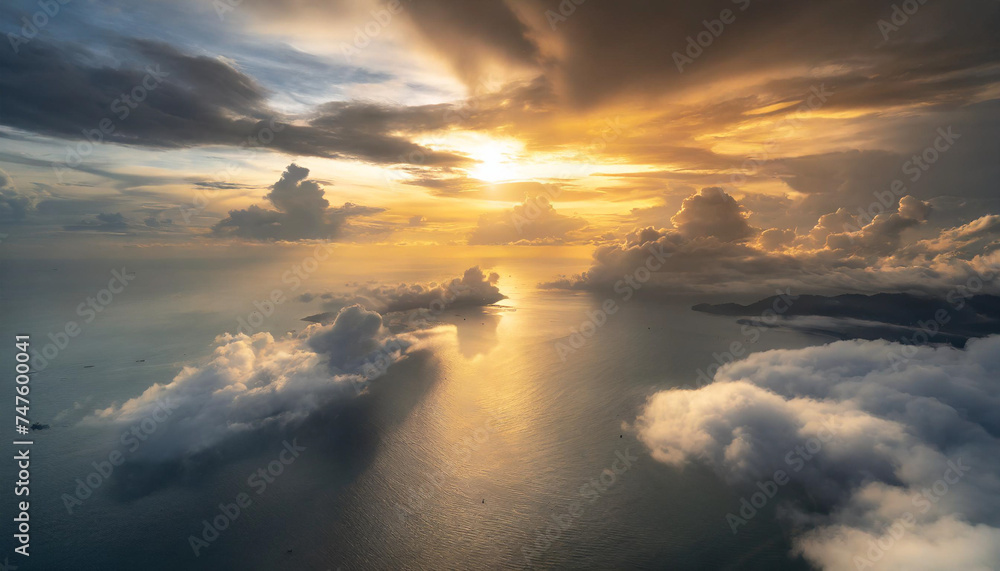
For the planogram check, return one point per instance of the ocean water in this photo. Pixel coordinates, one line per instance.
(468, 455)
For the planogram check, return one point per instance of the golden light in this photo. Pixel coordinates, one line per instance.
(497, 160)
(492, 165)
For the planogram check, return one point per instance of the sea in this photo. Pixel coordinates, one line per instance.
(506, 442)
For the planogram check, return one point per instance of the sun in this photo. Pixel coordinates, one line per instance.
(496, 160)
(492, 166)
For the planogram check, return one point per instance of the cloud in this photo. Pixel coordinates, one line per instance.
(880, 237)
(708, 248)
(114, 222)
(914, 208)
(17, 205)
(531, 222)
(155, 222)
(589, 52)
(561, 83)
(968, 239)
(302, 212)
(896, 426)
(682, 265)
(475, 288)
(472, 35)
(775, 238)
(252, 382)
(704, 254)
(13, 206)
(66, 90)
(712, 213)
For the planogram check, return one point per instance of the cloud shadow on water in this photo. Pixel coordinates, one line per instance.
(346, 431)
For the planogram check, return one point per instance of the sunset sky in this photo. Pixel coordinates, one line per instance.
(507, 123)
(387, 227)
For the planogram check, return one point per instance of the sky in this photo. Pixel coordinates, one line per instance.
(751, 139)
(730, 149)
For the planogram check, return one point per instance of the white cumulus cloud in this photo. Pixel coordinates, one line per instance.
(906, 477)
(250, 382)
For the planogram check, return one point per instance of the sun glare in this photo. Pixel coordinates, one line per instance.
(496, 161)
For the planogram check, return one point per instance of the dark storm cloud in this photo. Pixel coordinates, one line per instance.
(467, 34)
(942, 57)
(471, 33)
(854, 179)
(160, 97)
(612, 48)
(63, 90)
(487, 107)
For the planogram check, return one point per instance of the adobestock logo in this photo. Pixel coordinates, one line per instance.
(796, 460)
(697, 44)
(133, 438)
(589, 492)
(899, 18)
(31, 26)
(88, 309)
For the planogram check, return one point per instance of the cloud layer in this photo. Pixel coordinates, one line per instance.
(802, 109)
(713, 247)
(152, 94)
(905, 472)
(251, 382)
